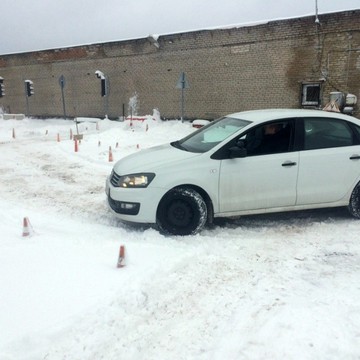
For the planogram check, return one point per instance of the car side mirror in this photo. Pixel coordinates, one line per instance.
(239, 150)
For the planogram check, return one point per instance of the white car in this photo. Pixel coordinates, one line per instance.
(245, 163)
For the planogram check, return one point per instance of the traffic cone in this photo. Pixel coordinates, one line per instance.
(110, 155)
(76, 146)
(121, 259)
(26, 227)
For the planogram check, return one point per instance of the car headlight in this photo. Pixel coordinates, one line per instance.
(141, 180)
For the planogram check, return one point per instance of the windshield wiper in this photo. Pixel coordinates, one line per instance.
(177, 145)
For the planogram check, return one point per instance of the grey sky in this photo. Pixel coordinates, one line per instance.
(44, 24)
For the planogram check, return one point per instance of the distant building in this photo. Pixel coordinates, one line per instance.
(284, 63)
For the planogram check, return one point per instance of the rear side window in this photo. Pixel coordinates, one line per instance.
(357, 130)
(321, 133)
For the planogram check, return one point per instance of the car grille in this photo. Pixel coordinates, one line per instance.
(114, 179)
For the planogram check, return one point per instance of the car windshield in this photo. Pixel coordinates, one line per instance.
(210, 135)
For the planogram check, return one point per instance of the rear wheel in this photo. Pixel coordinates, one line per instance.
(182, 211)
(354, 204)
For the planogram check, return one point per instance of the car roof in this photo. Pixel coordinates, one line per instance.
(273, 114)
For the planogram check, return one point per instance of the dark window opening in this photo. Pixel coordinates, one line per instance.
(310, 95)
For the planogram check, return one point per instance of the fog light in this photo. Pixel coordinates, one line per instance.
(127, 206)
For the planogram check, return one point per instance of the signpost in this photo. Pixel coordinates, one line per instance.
(29, 91)
(182, 84)
(62, 83)
(104, 89)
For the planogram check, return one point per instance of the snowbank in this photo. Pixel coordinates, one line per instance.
(264, 287)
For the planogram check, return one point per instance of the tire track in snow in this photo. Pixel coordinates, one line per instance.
(61, 182)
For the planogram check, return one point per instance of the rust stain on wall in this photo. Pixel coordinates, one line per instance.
(60, 55)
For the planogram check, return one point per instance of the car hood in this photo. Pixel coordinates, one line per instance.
(152, 159)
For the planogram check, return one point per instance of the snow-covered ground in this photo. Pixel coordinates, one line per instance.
(281, 286)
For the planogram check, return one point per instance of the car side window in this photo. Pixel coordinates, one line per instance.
(321, 133)
(357, 130)
(269, 138)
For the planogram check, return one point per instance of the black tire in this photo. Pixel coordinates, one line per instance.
(182, 211)
(354, 203)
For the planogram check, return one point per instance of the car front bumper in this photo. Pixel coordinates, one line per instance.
(134, 205)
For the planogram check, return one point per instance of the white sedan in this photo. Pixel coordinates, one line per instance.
(245, 163)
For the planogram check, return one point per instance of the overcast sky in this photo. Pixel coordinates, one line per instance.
(28, 25)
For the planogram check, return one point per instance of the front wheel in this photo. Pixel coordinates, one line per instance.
(182, 211)
(354, 204)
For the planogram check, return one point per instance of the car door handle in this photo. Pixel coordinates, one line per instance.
(355, 157)
(289, 163)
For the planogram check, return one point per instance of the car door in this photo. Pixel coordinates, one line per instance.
(329, 163)
(266, 178)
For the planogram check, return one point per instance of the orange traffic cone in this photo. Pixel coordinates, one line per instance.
(121, 260)
(26, 227)
(110, 155)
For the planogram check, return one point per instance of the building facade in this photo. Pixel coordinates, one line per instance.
(290, 63)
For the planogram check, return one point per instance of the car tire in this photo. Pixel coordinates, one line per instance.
(182, 211)
(354, 203)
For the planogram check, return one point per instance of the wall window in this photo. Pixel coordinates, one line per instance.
(310, 94)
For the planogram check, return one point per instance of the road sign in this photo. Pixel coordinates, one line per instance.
(182, 82)
(62, 81)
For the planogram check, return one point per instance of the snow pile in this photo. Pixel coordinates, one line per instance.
(280, 286)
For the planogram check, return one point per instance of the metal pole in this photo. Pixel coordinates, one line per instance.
(62, 85)
(182, 84)
(27, 106)
(106, 97)
(317, 21)
(63, 100)
(182, 104)
(27, 101)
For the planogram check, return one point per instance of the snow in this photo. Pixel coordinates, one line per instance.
(280, 286)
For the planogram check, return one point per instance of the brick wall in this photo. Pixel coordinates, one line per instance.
(228, 70)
